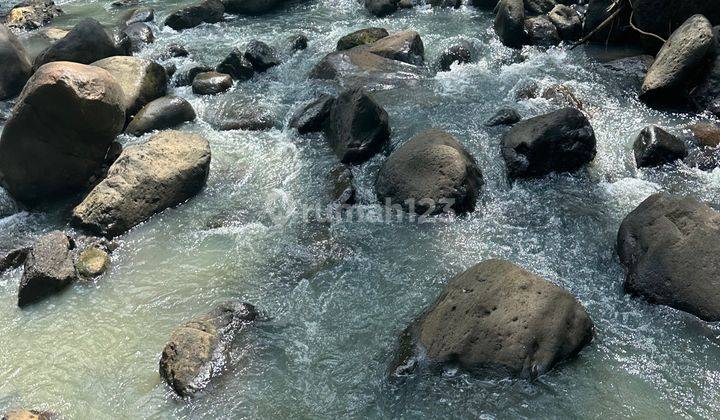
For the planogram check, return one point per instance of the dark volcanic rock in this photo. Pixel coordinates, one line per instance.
(311, 117)
(147, 178)
(361, 37)
(540, 31)
(253, 7)
(205, 11)
(197, 351)
(261, 55)
(86, 43)
(49, 268)
(48, 147)
(430, 174)
(16, 65)
(680, 58)
(504, 116)
(237, 66)
(13, 259)
(655, 146)
(706, 134)
(635, 67)
(381, 8)
(706, 95)
(662, 17)
(162, 113)
(561, 141)
(509, 23)
(668, 248)
(539, 7)
(459, 53)
(187, 77)
(211, 83)
(357, 127)
(139, 34)
(496, 317)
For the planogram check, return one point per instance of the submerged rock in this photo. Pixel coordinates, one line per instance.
(242, 118)
(381, 8)
(311, 117)
(197, 351)
(139, 35)
(655, 146)
(357, 127)
(162, 113)
(509, 23)
(147, 178)
(49, 268)
(668, 246)
(361, 37)
(261, 55)
(561, 141)
(430, 174)
(459, 53)
(237, 66)
(16, 65)
(562, 95)
(86, 43)
(211, 83)
(92, 262)
(343, 191)
(497, 317)
(297, 42)
(205, 11)
(504, 116)
(48, 147)
(32, 14)
(682, 55)
(254, 7)
(141, 80)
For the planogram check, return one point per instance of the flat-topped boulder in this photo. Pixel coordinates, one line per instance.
(141, 80)
(431, 173)
(49, 148)
(147, 178)
(198, 350)
(497, 318)
(668, 246)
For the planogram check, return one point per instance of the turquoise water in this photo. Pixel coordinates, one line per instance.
(334, 295)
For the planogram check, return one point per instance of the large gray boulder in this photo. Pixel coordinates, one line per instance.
(430, 174)
(86, 43)
(680, 58)
(357, 127)
(16, 65)
(561, 141)
(162, 113)
(60, 130)
(204, 11)
(498, 317)
(49, 268)
(198, 350)
(509, 23)
(668, 246)
(141, 80)
(147, 178)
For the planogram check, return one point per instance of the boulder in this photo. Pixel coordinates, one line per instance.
(361, 37)
(405, 46)
(241, 118)
(49, 268)
(430, 174)
(237, 66)
(311, 117)
(205, 11)
(460, 53)
(24, 414)
(541, 32)
(187, 77)
(667, 246)
(680, 58)
(53, 110)
(32, 14)
(509, 23)
(504, 116)
(86, 43)
(16, 65)
(141, 80)
(539, 7)
(497, 318)
(357, 127)
(485, 4)
(138, 14)
(253, 7)
(706, 95)
(706, 134)
(139, 34)
(160, 114)
(381, 8)
(261, 55)
(567, 21)
(198, 350)
(147, 178)
(92, 262)
(655, 146)
(297, 42)
(561, 141)
(211, 83)
(14, 259)
(177, 50)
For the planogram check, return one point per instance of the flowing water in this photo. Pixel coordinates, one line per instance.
(335, 294)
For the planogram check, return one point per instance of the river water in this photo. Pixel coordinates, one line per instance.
(335, 294)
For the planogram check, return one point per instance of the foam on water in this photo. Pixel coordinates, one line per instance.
(336, 294)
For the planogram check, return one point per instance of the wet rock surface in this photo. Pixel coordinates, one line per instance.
(162, 113)
(49, 268)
